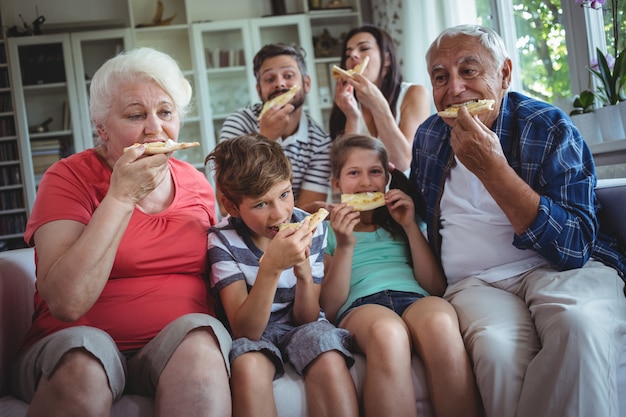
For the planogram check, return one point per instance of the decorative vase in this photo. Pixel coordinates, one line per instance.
(588, 126)
(610, 122)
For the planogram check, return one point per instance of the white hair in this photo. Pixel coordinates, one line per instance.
(141, 64)
(486, 36)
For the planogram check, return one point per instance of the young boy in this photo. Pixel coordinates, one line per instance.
(272, 304)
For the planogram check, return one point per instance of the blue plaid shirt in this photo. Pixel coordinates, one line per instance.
(546, 150)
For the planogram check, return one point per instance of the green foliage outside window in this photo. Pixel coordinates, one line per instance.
(542, 50)
(540, 46)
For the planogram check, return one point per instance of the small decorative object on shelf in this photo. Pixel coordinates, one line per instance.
(158, 20)
(336, 4)
(15, 30)
(42, 127)
(278, 7)
(326, 45)
(315, 4)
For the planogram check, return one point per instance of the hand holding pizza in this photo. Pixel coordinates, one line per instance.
(343, 219)
(345, 100)
(275, 123)
(401, 207)
(476, 146)
(369, 95)
(134, 177)
(288, 248)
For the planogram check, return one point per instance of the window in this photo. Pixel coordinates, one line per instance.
(554, 40)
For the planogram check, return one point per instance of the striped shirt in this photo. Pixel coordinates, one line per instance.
(308, 149)
(234, 257)
(546, 150)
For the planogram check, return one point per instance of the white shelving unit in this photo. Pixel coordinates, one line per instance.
(60, 92)
(13, 208)
(50, 78)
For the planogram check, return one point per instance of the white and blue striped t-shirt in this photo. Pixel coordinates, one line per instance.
(233, 256)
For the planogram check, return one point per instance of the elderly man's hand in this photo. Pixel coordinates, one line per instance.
(476, 146)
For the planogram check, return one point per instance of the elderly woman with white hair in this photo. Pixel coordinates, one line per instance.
(120, 238)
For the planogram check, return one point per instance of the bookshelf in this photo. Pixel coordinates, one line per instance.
(50, 78)
(13, 211)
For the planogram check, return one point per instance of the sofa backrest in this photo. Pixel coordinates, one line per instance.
(612, 196)
(17, 288)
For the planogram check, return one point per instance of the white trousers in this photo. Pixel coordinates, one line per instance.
(545, 343)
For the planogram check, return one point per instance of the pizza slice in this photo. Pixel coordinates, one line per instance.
(314, 220)
(474, 107)
(280, 100)
(364, 201)
(339, 73)
(153, 148)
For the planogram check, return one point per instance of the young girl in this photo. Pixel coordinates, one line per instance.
(378, 103)
(379, 274)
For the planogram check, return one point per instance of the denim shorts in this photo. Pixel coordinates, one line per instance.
(298, 345)
(398, 301)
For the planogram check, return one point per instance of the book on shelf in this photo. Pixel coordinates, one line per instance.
(11, 199)
(224, 58)
(44, 160)
(12, 224)
(7, 126)
(66, 116)
(8, 151)
(44, 145)
(10, 175)
(6, 103)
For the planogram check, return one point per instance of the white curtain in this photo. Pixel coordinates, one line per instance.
(414, 24)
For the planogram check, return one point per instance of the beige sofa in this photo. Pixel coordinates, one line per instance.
(17, 278)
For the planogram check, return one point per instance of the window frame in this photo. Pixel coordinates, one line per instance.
(584, 32)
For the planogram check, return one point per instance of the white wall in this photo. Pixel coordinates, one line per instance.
(62, 11)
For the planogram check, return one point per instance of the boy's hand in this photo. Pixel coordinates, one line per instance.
(302, 270)
(288, 248)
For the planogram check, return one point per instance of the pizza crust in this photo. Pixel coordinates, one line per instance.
(474, 108)
(280, 100)
(364, 201)
(153, 148)
(314, 221)
(339, 73)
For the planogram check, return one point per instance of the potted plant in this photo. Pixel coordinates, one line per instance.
(612, 76)
(585, 118)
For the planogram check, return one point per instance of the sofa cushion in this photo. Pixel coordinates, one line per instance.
(16, 305)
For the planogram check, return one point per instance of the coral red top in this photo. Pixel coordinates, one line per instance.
(160, 270)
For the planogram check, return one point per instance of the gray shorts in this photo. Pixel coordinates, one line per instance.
(298, 345)
(137, 375)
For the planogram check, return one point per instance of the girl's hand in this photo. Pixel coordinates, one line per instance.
(343, 218)
(401, 207)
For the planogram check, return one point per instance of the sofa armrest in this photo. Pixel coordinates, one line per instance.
(612, 196)
(17, 288)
